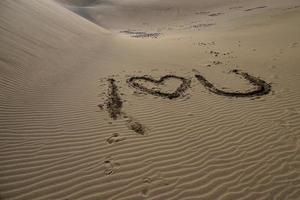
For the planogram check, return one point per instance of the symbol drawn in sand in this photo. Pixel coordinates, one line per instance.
(136, 126)
(114, 106)
(114, 103)
(177, 93)
(263, 88)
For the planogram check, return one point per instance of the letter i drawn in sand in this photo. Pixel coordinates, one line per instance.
(114, 106)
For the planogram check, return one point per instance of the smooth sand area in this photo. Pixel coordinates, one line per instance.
(156, 99)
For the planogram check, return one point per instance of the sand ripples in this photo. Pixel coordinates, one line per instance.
(55, 143)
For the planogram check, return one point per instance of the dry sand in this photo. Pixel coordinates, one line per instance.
(74, 124)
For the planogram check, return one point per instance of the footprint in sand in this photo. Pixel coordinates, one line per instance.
(282, 123)
(293, 45)
(146, 187)
(115, 138)
(110, 167)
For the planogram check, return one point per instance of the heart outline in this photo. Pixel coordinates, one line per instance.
(177, 93)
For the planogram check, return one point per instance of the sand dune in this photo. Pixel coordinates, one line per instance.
(121, 100)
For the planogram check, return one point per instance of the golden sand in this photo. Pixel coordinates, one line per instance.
(115, 100)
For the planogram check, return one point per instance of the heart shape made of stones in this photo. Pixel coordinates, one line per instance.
(132, 81)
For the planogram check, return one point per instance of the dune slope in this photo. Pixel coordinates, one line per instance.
(74, 124)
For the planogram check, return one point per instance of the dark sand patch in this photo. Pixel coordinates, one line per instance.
(215, 14)
(259, 7)
(197, 26)
(236, 7)
(141, 34)
(298, 6)
(202, 12)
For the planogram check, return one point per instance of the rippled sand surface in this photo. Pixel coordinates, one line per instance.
(128, 100)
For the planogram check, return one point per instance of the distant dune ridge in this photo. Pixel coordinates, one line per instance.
(129, 99)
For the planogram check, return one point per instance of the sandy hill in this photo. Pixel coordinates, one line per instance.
(175, 100)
